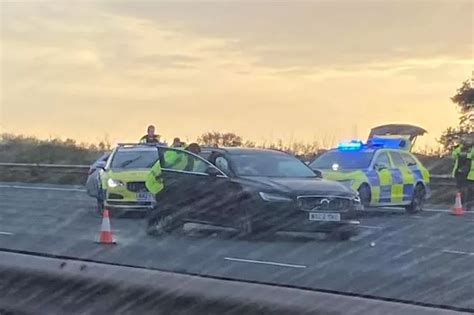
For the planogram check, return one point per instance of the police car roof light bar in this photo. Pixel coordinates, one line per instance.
(350, 146)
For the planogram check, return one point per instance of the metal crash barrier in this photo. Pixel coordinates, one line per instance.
(31, 284)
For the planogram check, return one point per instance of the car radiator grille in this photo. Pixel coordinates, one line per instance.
(136, 186)
(323, 203)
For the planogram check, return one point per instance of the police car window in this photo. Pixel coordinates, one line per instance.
(383, 160)
(128, 159)
(397, 159)
(409, 160)
(343, 160)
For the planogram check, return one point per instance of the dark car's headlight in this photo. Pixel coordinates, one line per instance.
(272, 197)
(357, 203)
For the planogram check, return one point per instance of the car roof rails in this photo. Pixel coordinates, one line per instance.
(130, 145)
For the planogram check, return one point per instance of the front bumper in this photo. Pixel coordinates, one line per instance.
(124, 199)
(131, 205)
(285, 217)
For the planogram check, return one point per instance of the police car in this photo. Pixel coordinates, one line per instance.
(382, 170)
(121, 179)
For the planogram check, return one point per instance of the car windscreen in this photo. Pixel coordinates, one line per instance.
(343, 160)
(271, 164)
(129, 159)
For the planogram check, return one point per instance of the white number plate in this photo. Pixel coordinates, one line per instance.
(144, 196)
(317, 216)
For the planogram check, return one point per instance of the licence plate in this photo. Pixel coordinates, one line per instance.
(144, 196)
(317, 216)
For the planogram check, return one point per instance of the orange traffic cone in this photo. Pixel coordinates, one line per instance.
(458, 209)
(105, 236)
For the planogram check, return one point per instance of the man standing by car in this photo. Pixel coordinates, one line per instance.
(150, 137)
(463, 170)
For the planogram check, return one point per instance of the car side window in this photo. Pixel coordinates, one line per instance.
(222, 164)
(409, 160)
(196, 165)
(180, 160)
(382, 161)
(397, 159)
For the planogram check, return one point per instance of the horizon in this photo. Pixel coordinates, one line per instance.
(265, 71)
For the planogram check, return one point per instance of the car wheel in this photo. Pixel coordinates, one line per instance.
(418, 200)
(365, 195)
(162, 224)
(345, 233)
(245, 226)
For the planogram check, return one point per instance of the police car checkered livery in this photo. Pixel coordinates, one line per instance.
(383, 171)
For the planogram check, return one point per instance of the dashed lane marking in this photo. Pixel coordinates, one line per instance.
(458, 252)
(371, 227)
(5, 233)
(263, 262)
(42, 188)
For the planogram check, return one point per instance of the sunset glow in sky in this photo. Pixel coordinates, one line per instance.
(320, 70)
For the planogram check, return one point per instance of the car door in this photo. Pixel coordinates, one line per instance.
(403, 179)
(414, 169)
(195, 191)
(382, 192)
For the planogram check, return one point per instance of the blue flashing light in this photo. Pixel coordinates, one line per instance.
(353, 145)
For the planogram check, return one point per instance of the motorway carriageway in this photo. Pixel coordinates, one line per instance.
(424, 258)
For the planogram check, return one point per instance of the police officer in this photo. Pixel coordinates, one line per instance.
(150, 136)
(194, 148)
(154, 181)
(463, 170)
(177, 143)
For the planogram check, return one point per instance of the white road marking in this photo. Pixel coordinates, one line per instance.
(262, 262)
(5, 233)
(371, 227)
(392, 209)
(42, 188)
(436, 210)
(458, 252)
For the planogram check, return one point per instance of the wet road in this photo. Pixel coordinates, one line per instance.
(425, 258)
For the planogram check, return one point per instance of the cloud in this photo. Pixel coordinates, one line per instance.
(284, 35)
(262, 70)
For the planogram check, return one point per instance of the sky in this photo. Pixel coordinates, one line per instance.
(267, 70)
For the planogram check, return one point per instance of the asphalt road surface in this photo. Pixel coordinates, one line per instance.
(424, 258)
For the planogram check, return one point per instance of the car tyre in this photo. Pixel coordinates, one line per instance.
(245, 226)
(418, 200)
(365, 195)
(345, 233)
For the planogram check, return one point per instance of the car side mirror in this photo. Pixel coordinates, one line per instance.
(318, 173)
(100, 165)
(212, 171)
